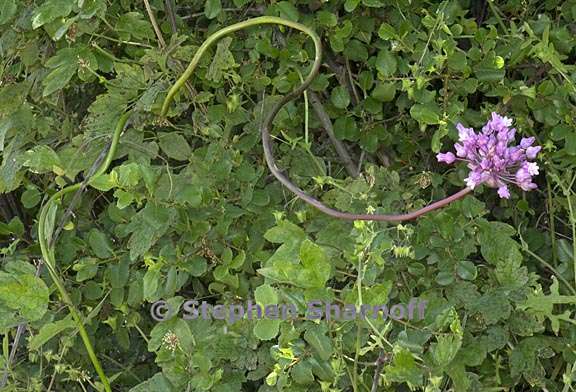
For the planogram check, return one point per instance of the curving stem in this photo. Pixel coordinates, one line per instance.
(267, 123)
(47, 247)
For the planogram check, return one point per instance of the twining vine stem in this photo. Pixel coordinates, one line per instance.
(271, 115)
(48, 211)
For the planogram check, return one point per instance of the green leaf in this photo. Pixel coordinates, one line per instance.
(386, 63)
(266, 328)
(64, 64)
(489, 74)
(5, 126)
(444, 278)
(221, 272)
(356, 51)
(31, 197)
(15, 226)
(119, 273)
(86, 269)
(565, 251)
(365, 80)
(543, 305)
(150, 177)
(492, 306)
(467, 270)
(345, 128)
(7, 10)
(124, 199)
(287, 10)
(266, 295)
(12, 96)
(326, 18)
(570, 144)
(151, 283)
(51, 10)
(104, 182)
(19, 267)
(151, 223)
(562, 131)
(496, 243)
(48, 331)
(369, 141)
(198, 266)
(42, 159)
(313, 272)
(525, 359)
(376, 294)
(436, 144)
(384, 92)
(237, 262)
(350, 5)
(340, 97)
(321, 369)
(157, 383)
(445, 349)
(373, 3)
(90, 8)
(404, 368)
(128, 175)
(317, 268)
(457, 61)
(212, 8)
(190, 194)
(302, 373)
(133, 25)
(425, 114)
(285, 233)
(22, 296)
(321, 343)
(222, 61)
(175, 146)
(100, 244)
(457, 373)
(386, 32)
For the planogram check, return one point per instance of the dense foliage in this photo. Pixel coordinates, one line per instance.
(189, 210)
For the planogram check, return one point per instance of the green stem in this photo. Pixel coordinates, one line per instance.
(231, 29)
(573, 225)
(50, 261)
(111, 56)
(122, 41)
(552, 218)
(567, 192)
(550, 267)
(306, 111)
(496, 13)
(358, 323)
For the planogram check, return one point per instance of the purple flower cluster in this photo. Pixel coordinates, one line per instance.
(491, 160)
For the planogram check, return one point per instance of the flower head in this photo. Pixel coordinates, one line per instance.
(491, 159)
(171, 341)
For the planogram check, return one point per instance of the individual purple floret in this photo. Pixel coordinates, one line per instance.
(491, 160)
